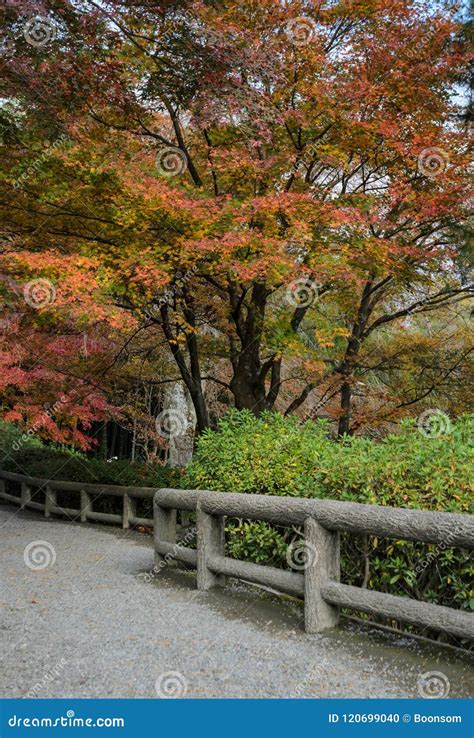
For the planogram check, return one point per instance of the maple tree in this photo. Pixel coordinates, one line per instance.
(277, 194)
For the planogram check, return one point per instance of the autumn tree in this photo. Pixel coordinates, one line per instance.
(272, 186)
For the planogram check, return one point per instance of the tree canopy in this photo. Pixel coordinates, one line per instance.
(266, 202)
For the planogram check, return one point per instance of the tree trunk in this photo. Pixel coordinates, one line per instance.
(123, 443)
(191, 375)
(247, 388)
(350, 361)
(344, 427)
(113, 444)
(103, 448)
(248, 378)
(134, 440)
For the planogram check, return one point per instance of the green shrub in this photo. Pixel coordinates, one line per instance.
(49, 462)
(12, 438)
(45, 462)
(279, 456)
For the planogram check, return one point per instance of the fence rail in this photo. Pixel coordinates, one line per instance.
(322, 522)
(30, 486)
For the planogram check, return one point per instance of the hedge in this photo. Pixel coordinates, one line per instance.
(50, 462)
(280, 456)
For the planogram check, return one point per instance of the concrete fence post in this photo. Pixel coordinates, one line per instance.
(129, 511)
(25, 494)
(322, 566)
(210, 542)
(86, 505)
(164, 523)
(49, 501)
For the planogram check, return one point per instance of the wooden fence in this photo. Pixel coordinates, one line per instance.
(321, 520)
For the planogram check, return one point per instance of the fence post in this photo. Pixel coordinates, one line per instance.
(164, 523)
(323, 566)
(210, 542)
(129, 510)
(85, 505)
(49, 501)
(25, 494)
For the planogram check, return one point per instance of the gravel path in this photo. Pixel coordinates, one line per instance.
(90, 625)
